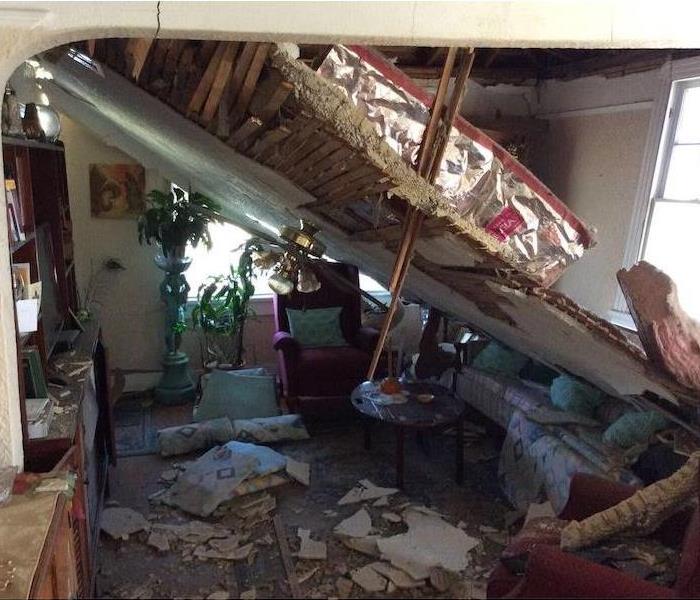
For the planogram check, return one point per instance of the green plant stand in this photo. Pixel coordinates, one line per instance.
(176, 386)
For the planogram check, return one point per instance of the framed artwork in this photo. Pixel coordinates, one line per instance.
(117, 191)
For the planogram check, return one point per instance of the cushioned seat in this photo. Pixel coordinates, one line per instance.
(317, 381)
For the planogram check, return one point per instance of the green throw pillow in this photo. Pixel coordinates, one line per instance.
(316, 327)
(228, 394)
(576, 396)
(496, 358)
(634, 428)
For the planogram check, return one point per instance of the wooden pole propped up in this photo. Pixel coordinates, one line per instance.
(431, 152)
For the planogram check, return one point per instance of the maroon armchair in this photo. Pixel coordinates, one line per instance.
(553, 573)
(318, 381)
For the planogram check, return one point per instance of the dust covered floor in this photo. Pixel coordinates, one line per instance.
(132, 568)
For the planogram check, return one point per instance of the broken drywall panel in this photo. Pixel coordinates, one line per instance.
(429, 542)
(298, 471)
(368, 579)
(310, 549)
(358, 525)
(399, 578)
(120, 522)
(366, 490)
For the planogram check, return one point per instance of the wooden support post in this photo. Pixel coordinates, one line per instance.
(430, 155)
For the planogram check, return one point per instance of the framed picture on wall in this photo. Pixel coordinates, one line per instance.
(117, 191)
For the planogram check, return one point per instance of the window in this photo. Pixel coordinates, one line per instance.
(227, 245)
(673, 221)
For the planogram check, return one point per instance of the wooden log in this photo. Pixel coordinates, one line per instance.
(223, 72)
(205, 83)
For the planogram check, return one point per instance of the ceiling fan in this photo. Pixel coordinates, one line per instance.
(297, 261)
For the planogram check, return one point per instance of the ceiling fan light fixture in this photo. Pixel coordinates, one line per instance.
(303, 237)
(283, 280)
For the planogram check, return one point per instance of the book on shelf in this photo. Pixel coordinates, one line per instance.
(14, 210)
(34, 378)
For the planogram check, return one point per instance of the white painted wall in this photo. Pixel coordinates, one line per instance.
(27, 28)
(129, 307)
(592, 159)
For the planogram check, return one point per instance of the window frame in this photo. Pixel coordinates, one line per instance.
(673, 75)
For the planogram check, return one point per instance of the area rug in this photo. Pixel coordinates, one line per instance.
(134, 432)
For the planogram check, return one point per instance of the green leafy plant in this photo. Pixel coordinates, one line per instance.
(223, 305)
(172, 220)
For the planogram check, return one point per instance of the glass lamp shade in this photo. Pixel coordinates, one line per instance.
(281, 284)
(307, 282)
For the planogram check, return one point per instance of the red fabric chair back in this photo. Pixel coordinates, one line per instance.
(330, 294)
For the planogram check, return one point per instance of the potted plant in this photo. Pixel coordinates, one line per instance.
(172, 220)
(223, 305)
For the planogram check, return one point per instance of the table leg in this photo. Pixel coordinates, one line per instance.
(459, 442)
(367, 427)
(400, 434)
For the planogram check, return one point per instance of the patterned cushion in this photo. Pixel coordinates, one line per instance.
(316, 327)
(574, 395)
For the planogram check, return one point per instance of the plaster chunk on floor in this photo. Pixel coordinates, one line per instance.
(429, 542)
(159, 540)
(344, 587)
(310, 549)
(365, 490)
(357, 526)
(538, 511)
(120, 522)
(299, 471)
(391, 517)
(364, 545)
(399, 578)
(368, 579)
(383, 501)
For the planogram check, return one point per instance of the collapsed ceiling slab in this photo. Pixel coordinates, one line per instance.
(534, 320)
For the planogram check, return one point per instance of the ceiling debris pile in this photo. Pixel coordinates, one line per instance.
(319, 145)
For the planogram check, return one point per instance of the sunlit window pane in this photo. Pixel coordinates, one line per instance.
(688, 130)
(672, 246)
(683, 181)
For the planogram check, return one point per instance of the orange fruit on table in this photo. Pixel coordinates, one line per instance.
(390, 386)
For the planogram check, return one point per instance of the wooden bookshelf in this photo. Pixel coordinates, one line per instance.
(36, 185)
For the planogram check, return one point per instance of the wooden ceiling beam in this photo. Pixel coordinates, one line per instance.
(479, 74)
(223, 72)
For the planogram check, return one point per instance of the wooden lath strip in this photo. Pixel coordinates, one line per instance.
(250, 127)
(310, 162)
(221, 78)
(369, 192)
(268, 141)
(182, 76)
(343, 181)
(431, 226)
(200, 95)
(245, 94)
(302, 129)
(137, 50)
(331, 166)
(172, 58)
(313, 143)
(269, 97)
(238, 76)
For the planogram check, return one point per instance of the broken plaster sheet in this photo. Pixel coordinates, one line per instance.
(310, 549)
(358, 525)
(120, 522)
(551, 335)
(365, 490)
(429, 542)
(299, 471)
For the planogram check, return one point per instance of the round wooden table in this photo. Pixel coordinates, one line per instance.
(445, 410)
